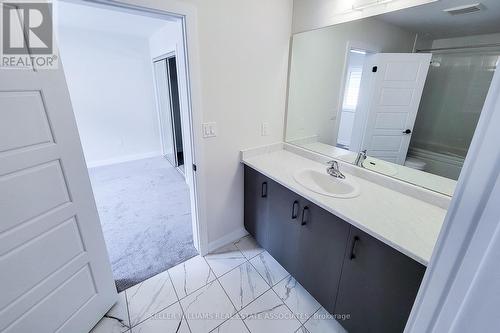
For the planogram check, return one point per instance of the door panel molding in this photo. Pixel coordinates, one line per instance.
(52, 251)
(395, 89)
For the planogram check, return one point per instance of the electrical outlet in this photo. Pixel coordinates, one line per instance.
(209, 130)
(264, 129)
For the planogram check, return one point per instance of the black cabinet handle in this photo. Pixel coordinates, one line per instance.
(407, 131)
(295, 209)
(353, 248)
(305, 215)
(263, 193)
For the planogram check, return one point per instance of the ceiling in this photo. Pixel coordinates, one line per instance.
(432, 21)
(101, 18)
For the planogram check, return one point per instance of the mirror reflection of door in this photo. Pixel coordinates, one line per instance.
(167, 91)
(388, 104)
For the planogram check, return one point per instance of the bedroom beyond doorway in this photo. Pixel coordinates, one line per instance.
(123, 72)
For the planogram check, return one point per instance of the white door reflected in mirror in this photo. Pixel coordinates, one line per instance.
(388, 104)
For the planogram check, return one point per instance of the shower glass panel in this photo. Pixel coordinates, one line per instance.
(453, 97)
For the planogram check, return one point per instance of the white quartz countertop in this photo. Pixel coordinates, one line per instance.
(403, 222)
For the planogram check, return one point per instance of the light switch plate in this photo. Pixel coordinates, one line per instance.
(209, 130)
(264, 129)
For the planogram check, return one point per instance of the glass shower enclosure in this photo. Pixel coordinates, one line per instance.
(453, 97)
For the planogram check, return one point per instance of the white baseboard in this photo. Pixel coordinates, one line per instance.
(122, 159)
(229, 238)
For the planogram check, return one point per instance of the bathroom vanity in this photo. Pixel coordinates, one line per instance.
(394, 100)
(346, 251)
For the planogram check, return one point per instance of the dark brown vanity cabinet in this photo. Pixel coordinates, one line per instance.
(256, 206)
(284, 229)
(321, 246)
(345, 269)
(378, 285)
(303, 237)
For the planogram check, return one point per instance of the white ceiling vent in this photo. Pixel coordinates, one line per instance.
(466, 9)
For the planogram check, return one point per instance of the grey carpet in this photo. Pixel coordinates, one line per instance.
(145, 215)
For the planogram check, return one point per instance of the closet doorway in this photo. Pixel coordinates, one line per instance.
(169, 111)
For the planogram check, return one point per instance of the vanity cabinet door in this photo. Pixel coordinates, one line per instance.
(284, 226)
(378, 286)
(321, 248)
(256, 203)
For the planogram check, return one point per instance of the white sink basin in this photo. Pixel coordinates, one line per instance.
(325, 184)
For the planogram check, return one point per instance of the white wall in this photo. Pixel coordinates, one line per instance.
(243, 51)
(314, 14)
(424, 42)
(166, 40)
(467, 40)
(317, 72)
(111, 87)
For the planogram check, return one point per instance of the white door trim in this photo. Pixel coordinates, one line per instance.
(188, 15)
(453, 296)
(167, 55)
(157, 104)
(164, 112)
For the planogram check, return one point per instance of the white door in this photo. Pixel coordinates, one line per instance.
(392, 86)
(55, 274)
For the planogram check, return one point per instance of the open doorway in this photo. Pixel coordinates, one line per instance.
(144, 202)
(352, 84)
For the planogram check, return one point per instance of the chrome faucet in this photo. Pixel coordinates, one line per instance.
(334, 170)
(360, 158)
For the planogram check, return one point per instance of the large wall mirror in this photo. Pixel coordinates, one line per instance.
(407, 87)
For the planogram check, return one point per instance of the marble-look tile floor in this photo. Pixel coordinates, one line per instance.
(238, 288)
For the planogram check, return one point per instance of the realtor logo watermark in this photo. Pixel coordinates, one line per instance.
(27, 35)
